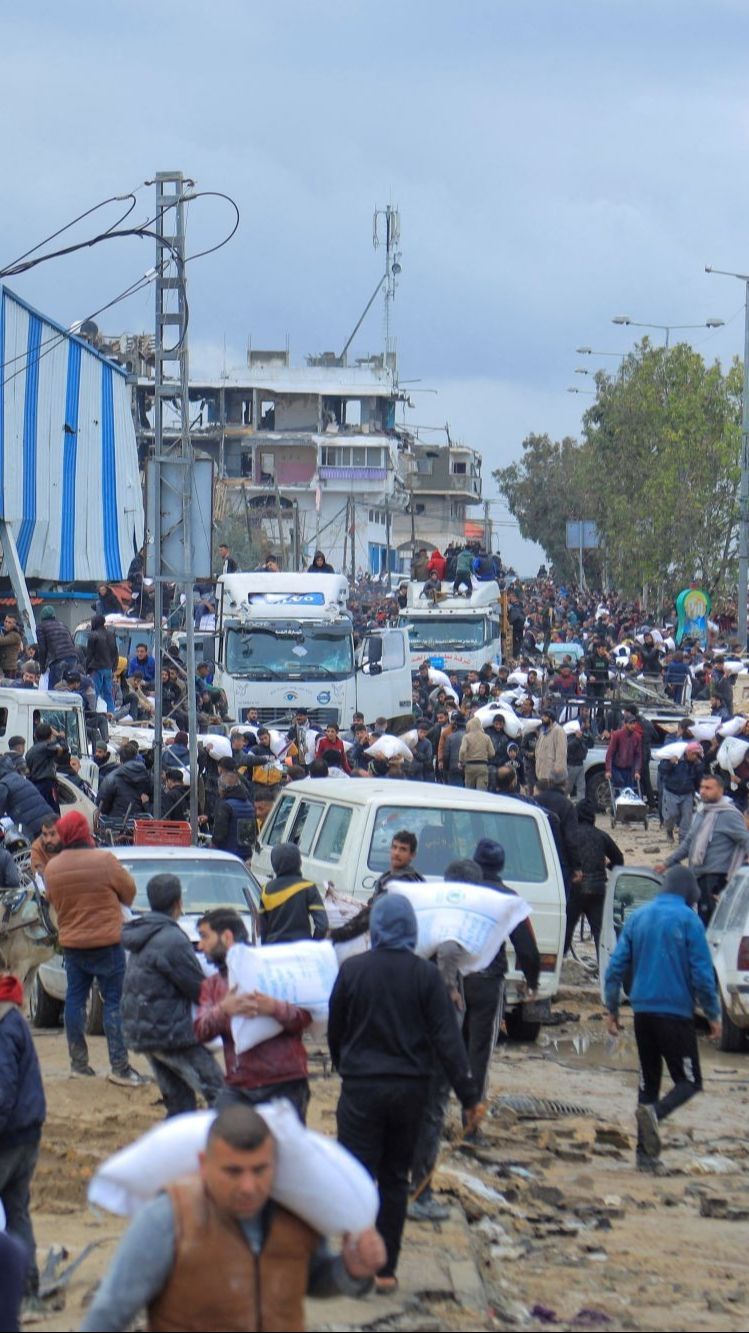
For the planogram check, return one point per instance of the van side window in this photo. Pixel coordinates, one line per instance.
(304, 828)
(277, 821)
(393, 652)
(3, 721)
(332, 837)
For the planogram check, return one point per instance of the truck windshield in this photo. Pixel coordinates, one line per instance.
(450, 632)
(290, 650)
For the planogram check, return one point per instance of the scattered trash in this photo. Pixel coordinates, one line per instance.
(537, 1108)
(544, 1315)
(712, 1165)
(725, 1209)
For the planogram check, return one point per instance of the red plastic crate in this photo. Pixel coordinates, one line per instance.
(161, 833)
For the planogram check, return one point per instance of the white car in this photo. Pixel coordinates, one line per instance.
(209, 879)
(630, 887)
(728, 937)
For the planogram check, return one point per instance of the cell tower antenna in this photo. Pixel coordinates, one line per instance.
(387, 220)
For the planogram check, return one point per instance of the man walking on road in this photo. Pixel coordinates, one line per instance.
(664, 960)
(162, 982)
(716, 845)
(88, 887)
(391, 1021)
(215, 1252)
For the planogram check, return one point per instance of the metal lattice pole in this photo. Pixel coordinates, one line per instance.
(172, 550)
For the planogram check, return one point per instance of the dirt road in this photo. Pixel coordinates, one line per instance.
(550, 1224)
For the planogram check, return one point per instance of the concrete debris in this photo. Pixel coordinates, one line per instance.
(712, 1165)
(727, 1210)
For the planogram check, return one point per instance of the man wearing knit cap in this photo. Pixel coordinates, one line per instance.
(88, 889)
(663, 959)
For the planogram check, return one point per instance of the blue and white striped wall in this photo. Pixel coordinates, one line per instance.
(69, 479)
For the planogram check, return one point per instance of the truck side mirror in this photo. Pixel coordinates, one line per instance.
(373, 662)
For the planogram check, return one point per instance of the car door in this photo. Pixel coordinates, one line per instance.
(628, 888)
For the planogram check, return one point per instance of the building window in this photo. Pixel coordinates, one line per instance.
(458, 469)
(267, 467)
(374, 458)
(425, 466)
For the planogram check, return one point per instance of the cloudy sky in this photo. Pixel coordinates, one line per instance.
(555, 162)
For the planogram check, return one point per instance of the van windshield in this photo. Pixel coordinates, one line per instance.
(446, 835)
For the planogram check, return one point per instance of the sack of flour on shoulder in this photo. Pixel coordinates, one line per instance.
(316, 1179)
(476, 918)
(302, 973)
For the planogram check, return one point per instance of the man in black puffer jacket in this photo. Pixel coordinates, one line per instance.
(20, 800)
(162, 982)
(129, 788)
(598, 853)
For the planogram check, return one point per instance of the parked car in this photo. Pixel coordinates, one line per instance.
(209, 879)
(344, 830)
(630, 887)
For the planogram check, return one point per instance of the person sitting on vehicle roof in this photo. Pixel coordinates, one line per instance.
(143, 662)
(320, 565)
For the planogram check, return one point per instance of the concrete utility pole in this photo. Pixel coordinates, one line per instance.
(175, 567)
(744, 483)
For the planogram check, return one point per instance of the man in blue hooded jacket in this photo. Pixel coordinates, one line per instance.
(390, 1021)
(662, 959)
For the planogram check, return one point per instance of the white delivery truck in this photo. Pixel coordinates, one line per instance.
(454, 633)
(21, 711)
(286, 641)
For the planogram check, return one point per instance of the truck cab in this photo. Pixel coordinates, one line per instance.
(286, 641)
(452, 632)
(22, 710)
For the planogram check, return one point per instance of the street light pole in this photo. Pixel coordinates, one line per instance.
(666, 328)
(743, 580)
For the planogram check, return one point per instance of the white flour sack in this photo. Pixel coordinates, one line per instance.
(389, 747)
(732, 753)
(674, 750)
(302, 973)
(478, 919)
(316, 1179)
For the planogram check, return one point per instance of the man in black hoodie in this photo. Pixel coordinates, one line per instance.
(162, 982)
(128, 790)
(390, 1023)
(598, 853)
(292, 908)
(484, 991)
(102, 654)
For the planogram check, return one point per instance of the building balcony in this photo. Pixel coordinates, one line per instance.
(453, 484)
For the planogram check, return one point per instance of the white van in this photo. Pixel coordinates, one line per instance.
(344, 828)
(22, 710)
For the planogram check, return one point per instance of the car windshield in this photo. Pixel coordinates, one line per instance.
(205, 883)
(290, 650)
(452, 632)
(446, 835)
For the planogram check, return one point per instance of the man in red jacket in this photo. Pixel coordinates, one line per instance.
(624, 755)
(332, 741)
(274, 1068)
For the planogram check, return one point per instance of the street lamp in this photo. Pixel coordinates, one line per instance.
(580, 371)
(744, 483)
(666, 328)
(591, 351)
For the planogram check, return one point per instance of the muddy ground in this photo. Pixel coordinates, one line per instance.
(550, 1225)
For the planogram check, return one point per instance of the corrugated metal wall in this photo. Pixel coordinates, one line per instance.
(69, 480)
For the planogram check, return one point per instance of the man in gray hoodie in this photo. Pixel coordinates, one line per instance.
(716, 845)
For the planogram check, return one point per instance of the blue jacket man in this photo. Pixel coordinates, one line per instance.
(662, 959)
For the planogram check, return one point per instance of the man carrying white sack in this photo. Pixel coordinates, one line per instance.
(274, 1068)
(214, 1252)
(390, 1022)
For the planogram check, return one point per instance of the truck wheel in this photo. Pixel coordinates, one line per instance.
(94, 1012)
(44, 1010)
(597, 791)
(519, 1028)
(731, 1036)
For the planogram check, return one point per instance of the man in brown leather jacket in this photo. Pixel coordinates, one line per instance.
(214, 1252)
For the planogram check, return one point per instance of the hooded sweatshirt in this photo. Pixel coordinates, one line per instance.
(490, 858)
(476, 747)
(595, 848)
(291, 906)
(390, 1013)
(663, 958)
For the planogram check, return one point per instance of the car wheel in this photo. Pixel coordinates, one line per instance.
(731, 1035)
(94, 1012)
(597, 791)
(44, 1010)
(519, 1028)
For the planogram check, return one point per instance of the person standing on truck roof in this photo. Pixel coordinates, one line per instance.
(56, 650)
(663, 959)
(463, 568)
(320, 565)
(101, 659)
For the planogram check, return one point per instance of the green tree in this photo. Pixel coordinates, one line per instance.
(542, 492)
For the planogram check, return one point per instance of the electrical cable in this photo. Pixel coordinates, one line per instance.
(112, 199)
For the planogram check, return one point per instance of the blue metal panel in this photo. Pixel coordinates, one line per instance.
(31, 402)
(2, 406)
(69, 460)
(109, 477)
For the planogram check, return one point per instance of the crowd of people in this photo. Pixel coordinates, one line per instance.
(403, 1030)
